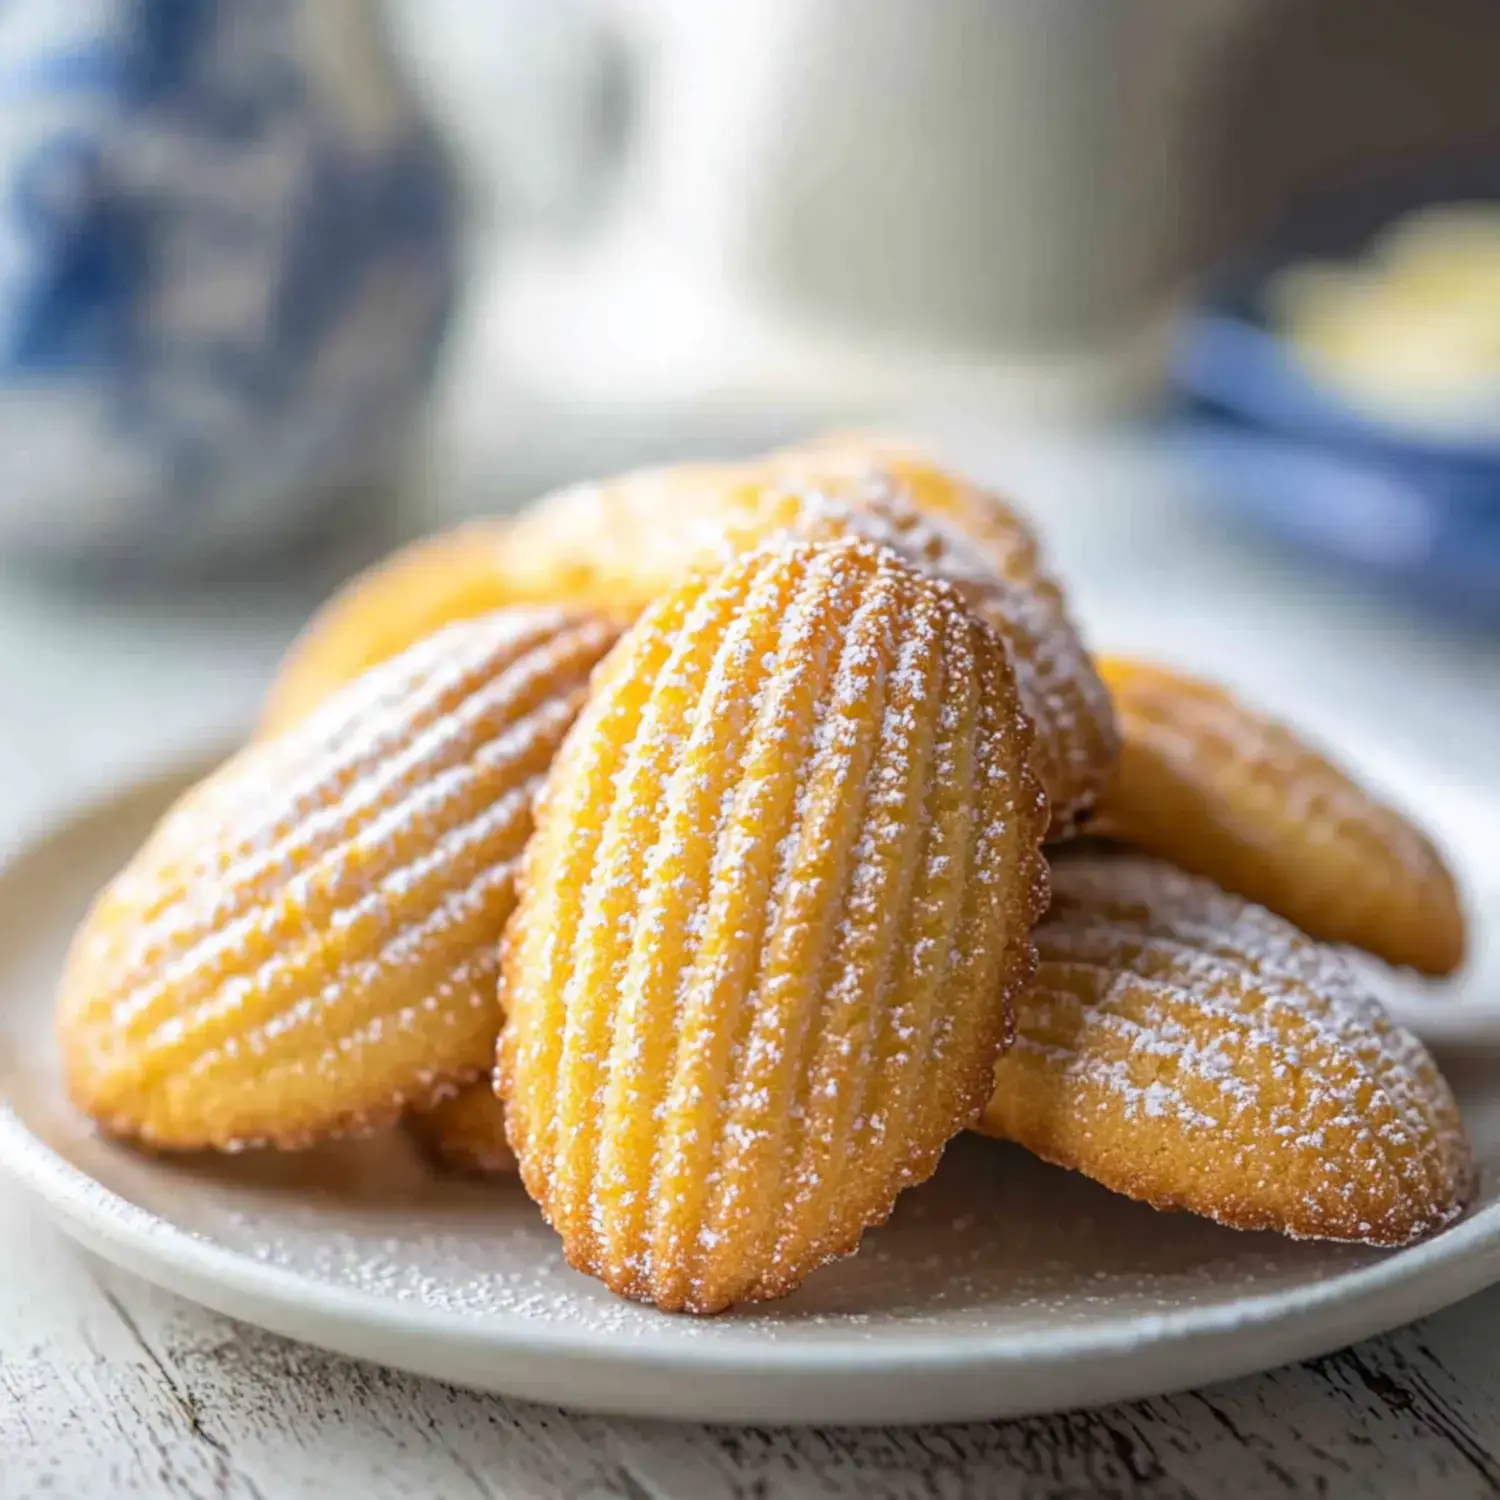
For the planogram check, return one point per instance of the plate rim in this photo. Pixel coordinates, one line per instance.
(1362, 1302)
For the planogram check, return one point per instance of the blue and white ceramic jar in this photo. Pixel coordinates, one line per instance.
(227, 253)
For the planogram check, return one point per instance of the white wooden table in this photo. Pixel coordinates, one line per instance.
(108, 1387)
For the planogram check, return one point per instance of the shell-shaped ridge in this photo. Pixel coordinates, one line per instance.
(1188, 1048)
(309, 941)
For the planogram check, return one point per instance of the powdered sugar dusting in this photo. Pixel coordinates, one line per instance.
(632, 539)
(996, 565)
(1160, 998)
(998, 1251)
(330, 903)
(784, 948)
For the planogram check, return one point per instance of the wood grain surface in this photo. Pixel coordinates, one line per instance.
(110, 1387)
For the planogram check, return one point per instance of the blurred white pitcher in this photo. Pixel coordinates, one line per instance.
(1006, 175)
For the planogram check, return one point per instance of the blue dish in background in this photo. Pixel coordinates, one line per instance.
(1415, 512)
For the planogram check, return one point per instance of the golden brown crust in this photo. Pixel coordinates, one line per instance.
(1076, 741)
(846, 462)
(625, 542)
(622, 543)
(466, 1132)
(1218, 789)
(780, 893)
(1189, 1049)
(417, 590)
(308, 943)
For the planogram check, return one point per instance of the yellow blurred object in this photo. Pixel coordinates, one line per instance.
(1452, 248)
(1412, 328)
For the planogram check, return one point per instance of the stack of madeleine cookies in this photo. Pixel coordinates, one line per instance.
(711, 845)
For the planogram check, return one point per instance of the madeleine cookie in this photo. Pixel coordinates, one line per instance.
(466, 1132)
(309, 942)
(779, 897)
(1186, 1048)
(414, 592)
(1218, 789)
(1076, 740)
(625, 542)
(841, 460)
(622, 543)
(484, 566)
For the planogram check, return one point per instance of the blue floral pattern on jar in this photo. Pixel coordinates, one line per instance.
(227, 255)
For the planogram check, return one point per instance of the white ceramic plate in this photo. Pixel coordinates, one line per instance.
(1001, 1287)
